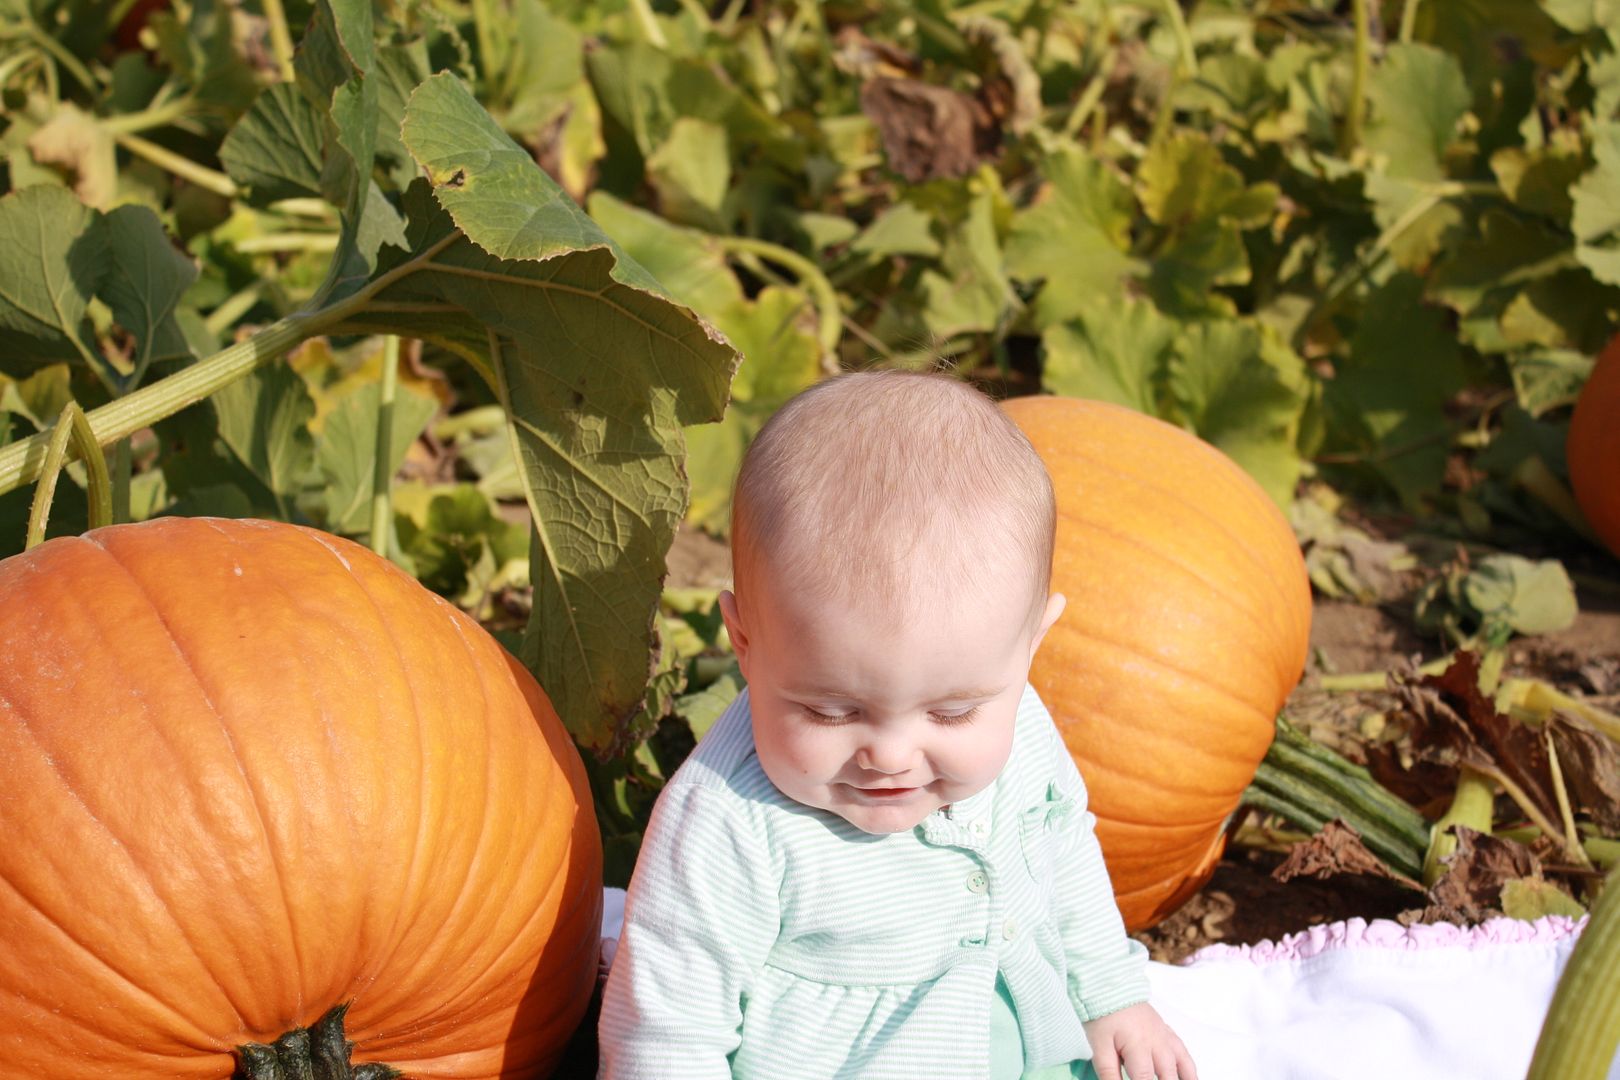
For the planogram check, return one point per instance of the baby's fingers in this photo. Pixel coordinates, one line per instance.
(1139, 1064)
(1105, 1060)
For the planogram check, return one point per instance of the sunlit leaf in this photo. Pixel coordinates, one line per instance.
(1528, 596)
(347, 454)
(970, 291)
(1418, 95)
(691, 171)
(902, 229)
(1546, 379)
(1076, 236)
(1112, 350)
(1596, 222)
(1243, 391)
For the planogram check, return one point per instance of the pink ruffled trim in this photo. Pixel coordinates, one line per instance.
(1388, 934)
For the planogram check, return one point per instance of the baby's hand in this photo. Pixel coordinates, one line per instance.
(1140, 1039)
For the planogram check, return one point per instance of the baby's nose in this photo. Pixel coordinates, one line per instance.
(890, 757)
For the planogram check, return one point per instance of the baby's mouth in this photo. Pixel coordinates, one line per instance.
(885, 792)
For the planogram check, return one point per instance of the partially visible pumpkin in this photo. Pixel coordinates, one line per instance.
(250, 772)
(1186, 628)
(1592, 447)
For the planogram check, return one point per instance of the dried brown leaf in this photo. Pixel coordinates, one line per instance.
(928, 131)
(1471, 888)
(1455, 723)
(1336, 849)
(1590, 763)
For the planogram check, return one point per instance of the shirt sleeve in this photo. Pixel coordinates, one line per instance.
(701, 914)
(1107, 967)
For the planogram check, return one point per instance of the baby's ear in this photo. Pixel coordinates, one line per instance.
(1054, 608)
(734, 628)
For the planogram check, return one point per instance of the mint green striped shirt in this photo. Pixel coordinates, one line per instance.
(768, 940)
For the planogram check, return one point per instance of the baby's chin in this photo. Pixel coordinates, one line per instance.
(883, 820)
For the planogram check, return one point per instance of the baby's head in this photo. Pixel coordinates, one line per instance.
(891, 552)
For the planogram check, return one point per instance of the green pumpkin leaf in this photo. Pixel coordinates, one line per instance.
(1539, 181)
(1112, 350)
(274, 151)
(598, 372)
(1243, 391)
(1390, 397)
(688, 264)
(781, 356)
(1076, 237)
(53, 258)
(1531, 898)
(1596, 222)
(902, 229)
(264, 419)
(1546, 379)
(347, 454)
(691, 172)
(701, 709)
(145, 280)
(1418, 94)
(971, 294)
(1528, 597)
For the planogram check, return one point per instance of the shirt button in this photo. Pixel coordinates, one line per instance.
(977, 882)
(1009, 929)
(978, 827)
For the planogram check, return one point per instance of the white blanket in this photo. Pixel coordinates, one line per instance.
(1354, 1000)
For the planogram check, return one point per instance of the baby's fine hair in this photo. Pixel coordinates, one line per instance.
(873, 482)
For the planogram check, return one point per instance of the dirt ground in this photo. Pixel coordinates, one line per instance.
(1242, 904)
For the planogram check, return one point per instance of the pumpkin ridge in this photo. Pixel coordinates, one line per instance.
(145, 593)
(1171, 495)
(1270, 632)
(479, 856)
(100, 961)
(398, 656)
(1160, 663)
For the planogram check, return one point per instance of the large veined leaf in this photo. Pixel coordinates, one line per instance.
(145, 280)
(1243, 391)
(1076, 238)
(1418, 94)
(598, 371)
(1597, 207)
(774, 331)
(53, 256)
(1110, 350)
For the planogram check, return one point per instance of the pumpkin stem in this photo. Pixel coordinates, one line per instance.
(1308, 785)
(318, 1052)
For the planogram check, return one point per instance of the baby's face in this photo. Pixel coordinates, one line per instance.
(880, 721)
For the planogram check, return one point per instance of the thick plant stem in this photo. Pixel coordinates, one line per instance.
(1582, 1029)
(22, 461)
(1356, 111)
(319, 1052)
(280, 38)
(70, 426)
(1308, 785)
(381, 474)
(1473, 805)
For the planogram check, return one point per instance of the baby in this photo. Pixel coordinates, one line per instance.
(879, 862)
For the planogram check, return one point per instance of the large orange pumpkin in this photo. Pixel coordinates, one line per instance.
(1187, 624)
(1592, 447)
(250, 772)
